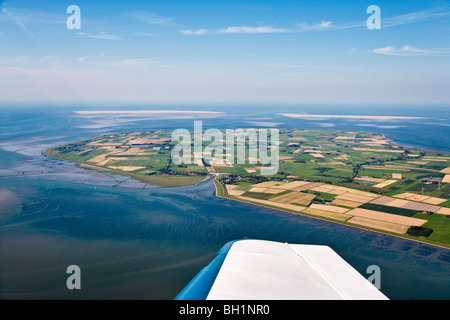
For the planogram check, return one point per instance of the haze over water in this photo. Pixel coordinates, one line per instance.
(134, 241)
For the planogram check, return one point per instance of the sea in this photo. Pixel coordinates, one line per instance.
(135, 241)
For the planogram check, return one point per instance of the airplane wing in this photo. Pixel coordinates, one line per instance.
(267, 270)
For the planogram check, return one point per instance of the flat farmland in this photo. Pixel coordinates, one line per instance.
(329, 174)
(295, 197)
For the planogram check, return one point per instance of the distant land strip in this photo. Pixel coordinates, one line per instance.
(100, 112)
(336, 116)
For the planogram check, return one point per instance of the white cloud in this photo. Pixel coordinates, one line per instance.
(195, 32)
(408, 18)
(18, 22)
(411, 51)
(237, 30)
(101, 35)
(253, 30)
(414, 17)
(324, 25)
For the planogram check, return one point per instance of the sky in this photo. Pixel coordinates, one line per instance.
(225, 52)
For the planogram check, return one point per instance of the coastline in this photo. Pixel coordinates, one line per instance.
(136, 177)
(223, 194)
(215, 182)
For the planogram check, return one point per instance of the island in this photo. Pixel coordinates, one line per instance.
(362, 179)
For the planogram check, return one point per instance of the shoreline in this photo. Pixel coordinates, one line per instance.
(329, 220)
(89, 167)
(223, 194)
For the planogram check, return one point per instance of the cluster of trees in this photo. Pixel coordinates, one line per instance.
(419, 231)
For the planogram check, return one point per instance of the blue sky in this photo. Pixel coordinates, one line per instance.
(225, 52)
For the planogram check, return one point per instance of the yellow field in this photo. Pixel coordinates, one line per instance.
(377, 224)
(273, 191)
(443, 210)
(412, 205)
(386, 217)
(327, 214)
(420, 198)
(382, 200)
(369, 179)
(399, 203)
(257, 189)
(446, 178)
(307, 186)
(446, 170)
(126, 168)
(354, 197)
(295, 197)
(346, 203)
(291, 185)
(433, 200)
(317, 155)
(337, 190)
(130, 151)
(236, 193)
(385, 183)
(267, 184)
(274, 204)
(328, 208)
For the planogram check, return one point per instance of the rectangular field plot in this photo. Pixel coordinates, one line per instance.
(382, 200)
(258, 189)
(235, 190)
(386, 217)
(236, 193)
(369, 179)
(446, 170)
(328, 208)
(407, 204)
(346, 203)
(273, 191)
(377, 224)
(443, 210)
(291, 185)
(420, 198)
(307, 186)
(291, 207)
(126, 168)
(355, 197)
(267, 184)
(385, 183)
(295, 197)
(327, 214)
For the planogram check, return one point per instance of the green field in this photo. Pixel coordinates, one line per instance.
(355, 160)
(317, 155)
